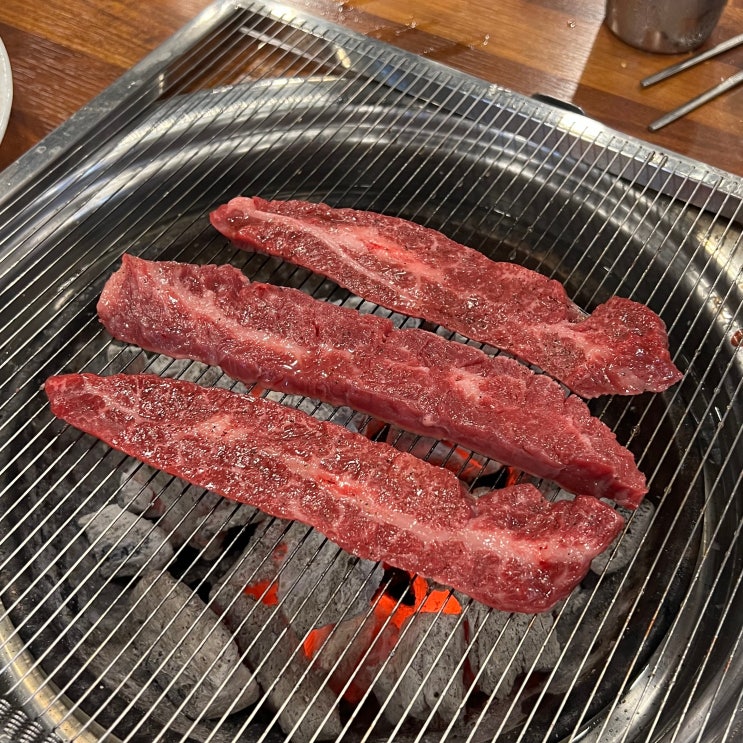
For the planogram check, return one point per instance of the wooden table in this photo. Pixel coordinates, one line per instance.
(63, 52)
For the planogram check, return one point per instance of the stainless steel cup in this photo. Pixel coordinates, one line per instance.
(668, 26)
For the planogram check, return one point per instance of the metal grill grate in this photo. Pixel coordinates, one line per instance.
(105, 636)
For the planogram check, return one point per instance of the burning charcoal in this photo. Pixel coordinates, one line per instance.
(331, 583)
(425, 672)
(467, 466)
(508, 645)
(317, 583)
(619, 553)
(247, 599)
(136, 492)
(628, 542)
(187, 650)
(298, 693)
(255, 571)
(352, 651)
(189, 514)
(123, 543)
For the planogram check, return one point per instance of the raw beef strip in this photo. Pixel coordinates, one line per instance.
(511, 549)
(288, 341)
(621, 348)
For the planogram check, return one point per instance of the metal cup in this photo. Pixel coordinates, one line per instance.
(668, 26)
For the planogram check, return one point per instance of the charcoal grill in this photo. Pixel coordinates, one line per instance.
(255, 98)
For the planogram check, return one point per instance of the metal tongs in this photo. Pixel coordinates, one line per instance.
(723, 87)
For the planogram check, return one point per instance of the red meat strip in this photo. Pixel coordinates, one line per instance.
(288, 341)
(622, 348)
(510, 549)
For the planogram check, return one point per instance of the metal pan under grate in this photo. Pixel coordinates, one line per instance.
(135, 607)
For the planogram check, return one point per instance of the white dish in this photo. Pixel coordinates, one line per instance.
(6, 89)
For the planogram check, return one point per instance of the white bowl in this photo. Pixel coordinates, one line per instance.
(6, 89)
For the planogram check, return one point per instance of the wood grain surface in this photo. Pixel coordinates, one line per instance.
(64, 52)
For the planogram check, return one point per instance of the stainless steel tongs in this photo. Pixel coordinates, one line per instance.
(723, 87)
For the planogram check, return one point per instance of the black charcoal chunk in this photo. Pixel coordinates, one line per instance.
(247, 598)
(321, 583)
(506, 646)
(425, 673)
(189, 514)
(621, 551)
(186, 649)
(123, 543)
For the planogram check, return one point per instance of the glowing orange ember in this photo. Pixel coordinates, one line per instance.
(377, 637)
(512, 477)
(265, 591)
(313, 642)
(399, 613)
